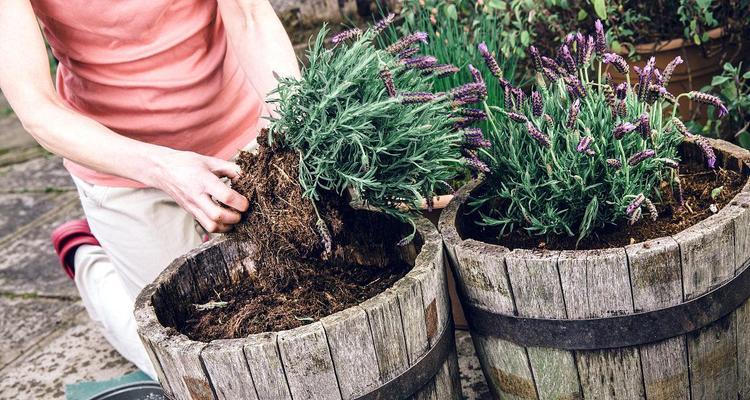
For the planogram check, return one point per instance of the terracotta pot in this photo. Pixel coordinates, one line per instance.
(701, 64)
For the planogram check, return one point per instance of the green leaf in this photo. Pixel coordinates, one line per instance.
(450, 11)
(616, 46)
(497, 4)
(716, 192)
(600, 7)
(525, 38)
(582, 14)
(718, 80)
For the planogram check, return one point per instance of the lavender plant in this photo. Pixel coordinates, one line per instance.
(365, 117)
(580, 152)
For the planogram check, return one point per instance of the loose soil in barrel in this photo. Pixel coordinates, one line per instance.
(697, 182)
(303, 272)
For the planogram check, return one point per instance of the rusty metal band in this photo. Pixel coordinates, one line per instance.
(617, 331)
(421, 373)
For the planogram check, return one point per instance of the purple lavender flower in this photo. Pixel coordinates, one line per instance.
(589, 50)
(517, 117)
(609, 97)
(575, 87)
(580, 48)
(670, 163)
(567, 60)
(573, 114)
(623, 129)
(537, 106)
(635, 217)
(590, 152)
(387, 77)
(644, 78)
(614, 163)
(621, 90)
(474, 139)
(345, 35)
(622, 108)
(601, 40)
(644, 126)
(476, 165)
(638, 158)
(653, 212)
(534, 55)
(615, 59)
(635, 204)
(408, 52)
(475, 74)
(706, 98)
(474, 113)
(381, 25)
(478, 89)
(417, 97)
(669, 70)
(441, 70)
(406, 42)
(420, 62)
(489, 59)
(537, 135)
(519, 96)
(548, 119)
(464, 100)
(507, 97)
(708, 152)
(552, 64)
(584, 143)
(551, 75)
(681, 127)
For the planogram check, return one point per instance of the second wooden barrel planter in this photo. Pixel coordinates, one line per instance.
(396, 345)
(664, 319)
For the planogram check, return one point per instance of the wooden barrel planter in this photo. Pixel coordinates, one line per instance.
(662, 319)
(398, 344)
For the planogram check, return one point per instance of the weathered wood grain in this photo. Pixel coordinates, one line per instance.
(656, 279)
(307, 363)
(537, 292)
(708, 260)
(238, 257)
(596, 283)
(264, 362)
(384, 315)
(409, 294)
(352, 351)
(227, 369)
(434, 296)
(180, 359)
(150, 332)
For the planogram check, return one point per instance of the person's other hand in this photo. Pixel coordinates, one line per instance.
(194, 182)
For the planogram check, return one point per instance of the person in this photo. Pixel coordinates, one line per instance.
(153, 99)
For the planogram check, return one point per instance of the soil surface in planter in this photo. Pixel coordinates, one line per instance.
(697, 182)
(303, 272)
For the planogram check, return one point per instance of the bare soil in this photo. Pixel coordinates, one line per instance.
(697, 182)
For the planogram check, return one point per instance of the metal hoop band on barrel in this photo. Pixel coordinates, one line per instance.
(617, 331)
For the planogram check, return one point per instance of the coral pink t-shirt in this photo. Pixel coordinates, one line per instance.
(158, 71)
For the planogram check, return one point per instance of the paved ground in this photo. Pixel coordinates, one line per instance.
(46, 338)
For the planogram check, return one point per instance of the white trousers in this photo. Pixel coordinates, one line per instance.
(141, 231)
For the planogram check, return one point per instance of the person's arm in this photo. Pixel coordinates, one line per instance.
(191, 179)
(260, 42)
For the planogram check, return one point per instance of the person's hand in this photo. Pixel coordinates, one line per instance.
(194, 182)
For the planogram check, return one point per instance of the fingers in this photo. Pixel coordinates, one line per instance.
(226, 195)
(223, 168)
(209, 225)
(216, 215)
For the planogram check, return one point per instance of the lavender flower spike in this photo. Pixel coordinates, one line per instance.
(643, 126)
(416, 97)
(406, 42)
(535, 133)
(669, 70)
(537, 106)
(476, 165)
(615, 59)
(406, 53)
(681, 127)
(534, 53)
(708, 152)
(653, 212)
(473, 138)
(475, 73)
(623, 129)
(473, 113)
(567, 60)
(614, 163)
(573, 114)
(634, 204)
(381, 25)
(638, 158)
(712, 100)
(441, 70)
(478, 89)
(601, 40)
(635, 217)
(621, 90)
(345, 35)
(670, 163)
(387, 77)
(644, 79)
(420, 62)
(490, 60)
(517, 117)
(584, 144)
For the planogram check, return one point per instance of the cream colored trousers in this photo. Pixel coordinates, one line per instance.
(141, 231)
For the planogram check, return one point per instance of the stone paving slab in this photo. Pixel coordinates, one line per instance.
(12, 134)
(28, 264)
(473, 384)
(79, 353)
(17, 210)
(26, 321)
(37, 175)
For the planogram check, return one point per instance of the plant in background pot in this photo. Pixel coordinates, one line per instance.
(312, 297)
(606, 250)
